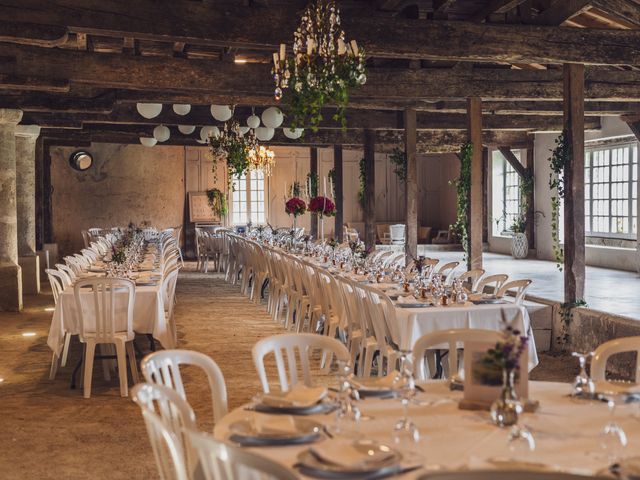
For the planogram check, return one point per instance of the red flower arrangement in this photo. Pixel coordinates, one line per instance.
(323, 206)
(295, 206)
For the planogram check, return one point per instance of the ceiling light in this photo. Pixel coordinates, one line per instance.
(240, 60)
(29, 334)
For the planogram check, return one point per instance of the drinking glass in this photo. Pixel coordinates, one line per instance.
(613, 438)
(405, 432)
(521, 441)
(348, 414)
(582, 384)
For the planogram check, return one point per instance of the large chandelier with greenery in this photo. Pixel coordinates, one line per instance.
(323, 68)
(232, 145)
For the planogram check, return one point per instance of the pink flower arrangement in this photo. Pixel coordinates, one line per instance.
(323, 206)
(295, 206)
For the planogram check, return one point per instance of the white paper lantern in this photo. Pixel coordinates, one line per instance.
(253, 121)
(244, 130)
(294, 134)
(222, 113)
(161, 133)
(148, 141)
(149, 110)
(265, 134)
(181, 108)
(207, 132)
(186, 129)
(272, 117)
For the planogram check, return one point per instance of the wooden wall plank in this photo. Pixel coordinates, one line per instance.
(411, 187)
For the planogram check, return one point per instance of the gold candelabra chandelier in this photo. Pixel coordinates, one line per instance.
(262, 158)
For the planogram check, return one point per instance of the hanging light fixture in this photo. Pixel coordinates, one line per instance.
(262, 158)
(253, 121)
(323, 67)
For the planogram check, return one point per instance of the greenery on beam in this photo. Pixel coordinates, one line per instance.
(463, 188)
(560, 158)
(399, 160)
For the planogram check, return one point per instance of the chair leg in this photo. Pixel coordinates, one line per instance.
(89, 352)
(133, 364)
(122, 368)
(106, 363)
(65, 349)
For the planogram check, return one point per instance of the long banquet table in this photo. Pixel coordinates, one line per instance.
(567, 432)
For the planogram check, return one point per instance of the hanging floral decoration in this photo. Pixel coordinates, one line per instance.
(217, 201)
(560, 158)
(323, 68)
(295, 206)
(463, 188)
(233, 147)
(322, 206)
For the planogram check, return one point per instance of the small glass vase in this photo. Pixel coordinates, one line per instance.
(506, 410)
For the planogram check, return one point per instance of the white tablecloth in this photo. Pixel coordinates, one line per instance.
(148, 316)
(566, 431)
(413, 323)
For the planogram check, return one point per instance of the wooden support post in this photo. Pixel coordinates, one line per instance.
(369, 189)
(411, 186)
(39, 193)
(574, 251)
(474, 114)
(313, 168)
(531, 212)
(339, 200)
(485, 194)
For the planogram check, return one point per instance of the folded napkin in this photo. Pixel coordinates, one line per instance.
(268, 425)
(410, 299)
(299, 396)
(377, 382)
(349, 454)
(386, 285)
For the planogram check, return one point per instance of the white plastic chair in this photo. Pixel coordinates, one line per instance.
(496, 281)
(167, 415)
(304, 343)
(447, 271)
(111, 322)
(473, 277)
(163, 368)
(520, 287)
(169, 282)
(57, 286)
(451, 338)
(219, 461)
(607, 349)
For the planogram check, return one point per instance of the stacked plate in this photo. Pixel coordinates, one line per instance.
(268, 430)
(343, 458)
(300, 400)
(379, 387)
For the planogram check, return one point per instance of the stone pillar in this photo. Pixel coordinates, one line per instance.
(26, 136)
(10, 273)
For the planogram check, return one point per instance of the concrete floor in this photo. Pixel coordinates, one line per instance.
(48, 431)
(609, 291)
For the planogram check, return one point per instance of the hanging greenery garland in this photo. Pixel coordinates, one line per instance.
(399, 159)
(217, 202)
(560, 158)
(332, 182)
(312, 184)
(463, 188)
(362, 181)
(232, 147)
(526, 189)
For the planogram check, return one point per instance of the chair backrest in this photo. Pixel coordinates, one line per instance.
(473, 277)
(520, 286)
(163, 368)
(111, 307)
(447, 271)
(496, 281)
(55, 279)
(219, 461)
(607, 349)
(86, 237)
(68, 271)
(66, 277)
(161, 411)
(451, 338)
(169, 282)
(397, 232)
(507, 475)
(305, 343)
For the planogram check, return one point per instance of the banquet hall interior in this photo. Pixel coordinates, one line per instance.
(285, 239)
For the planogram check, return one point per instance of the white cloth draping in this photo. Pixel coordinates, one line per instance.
(413, 323)
(148, 316)
(567, 431)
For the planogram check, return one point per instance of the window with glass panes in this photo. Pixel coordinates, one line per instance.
(248, 199)
(507, 189)
(611, 190)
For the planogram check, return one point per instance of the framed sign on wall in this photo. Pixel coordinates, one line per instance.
(199, 209)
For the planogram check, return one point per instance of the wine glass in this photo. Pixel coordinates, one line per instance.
(521, 441)
(348, 414)
(613, 438)
(405, 432)
(582, 384)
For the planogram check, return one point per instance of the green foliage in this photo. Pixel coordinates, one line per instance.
(217, 202)
(463, 188)
(362, 180)
(313, 87)
(560, 158)
(399, 159)
(566, 314)
(332, 178)
(312, 180)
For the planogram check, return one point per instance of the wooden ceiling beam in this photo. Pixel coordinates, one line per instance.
(27, 33)
(628, 11)
(33, 83)
(382, 36)
(560, 11)
(494, 6)
(241, 83)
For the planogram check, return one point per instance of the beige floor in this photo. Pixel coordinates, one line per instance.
(49, 431)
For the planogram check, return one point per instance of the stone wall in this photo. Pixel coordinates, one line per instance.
(127, 183)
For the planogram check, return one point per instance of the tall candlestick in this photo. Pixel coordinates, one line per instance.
(283, 49)
(324, 186)
(285, 189)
